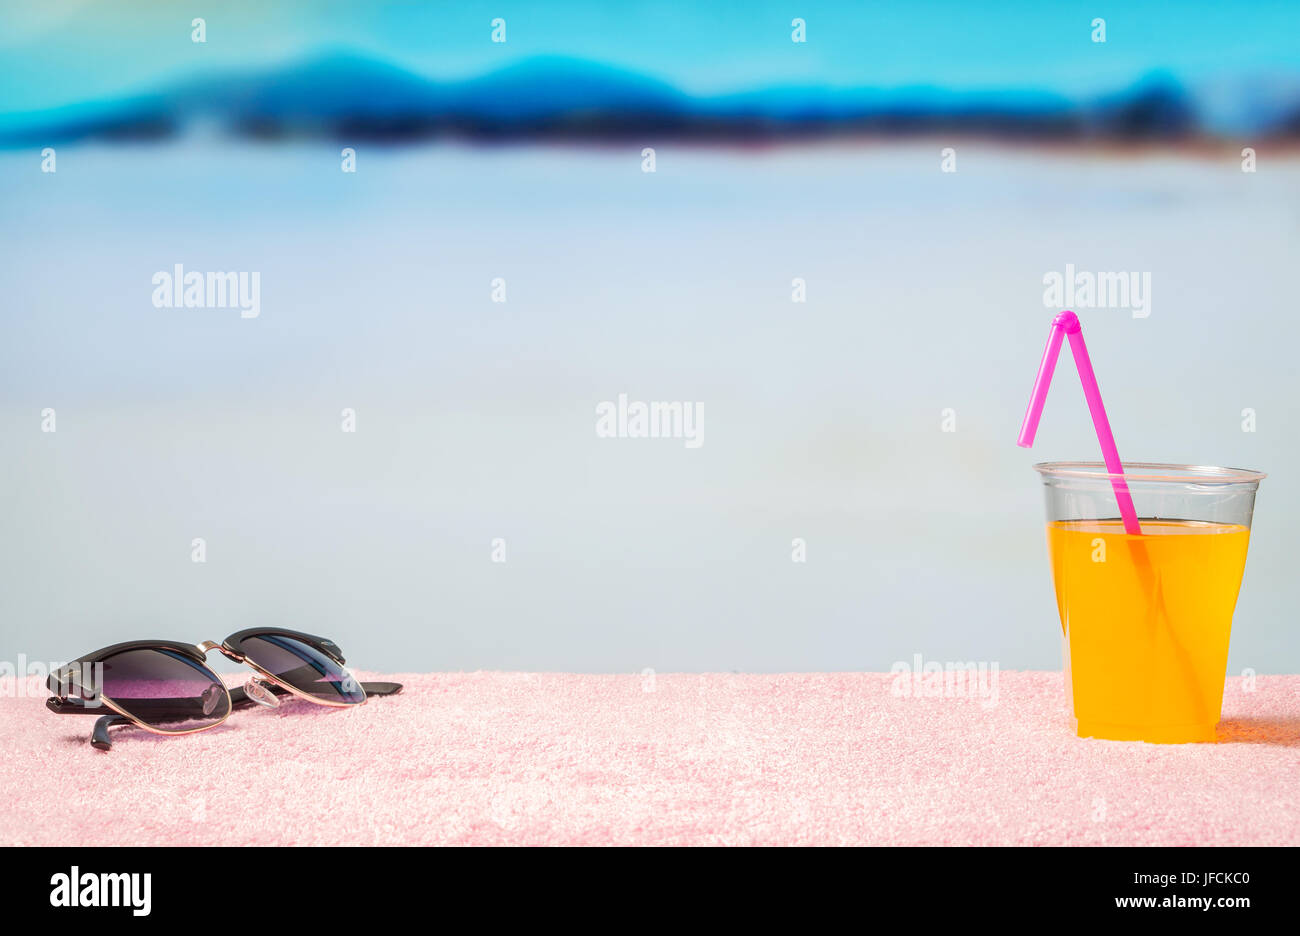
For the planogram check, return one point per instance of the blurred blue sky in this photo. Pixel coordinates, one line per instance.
(63, 51)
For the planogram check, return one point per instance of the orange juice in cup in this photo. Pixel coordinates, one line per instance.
(1146, 618)
(1147, 561)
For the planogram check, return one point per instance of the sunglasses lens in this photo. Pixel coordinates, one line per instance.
(164, 689)
(302, 666)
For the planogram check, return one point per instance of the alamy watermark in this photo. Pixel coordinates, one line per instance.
(79, 888)
(79, 680)
(194, 290)
(635, 419)
(1086, 290)
(931, 679)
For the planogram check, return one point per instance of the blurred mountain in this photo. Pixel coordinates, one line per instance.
(350, 97)
(1156, 108)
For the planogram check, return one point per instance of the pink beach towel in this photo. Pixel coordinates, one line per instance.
(520, 758)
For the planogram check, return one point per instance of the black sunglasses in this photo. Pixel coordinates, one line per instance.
(166, 687)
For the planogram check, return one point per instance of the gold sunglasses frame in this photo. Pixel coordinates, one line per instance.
(207, 647)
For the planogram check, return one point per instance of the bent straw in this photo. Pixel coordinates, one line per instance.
(1067, 323)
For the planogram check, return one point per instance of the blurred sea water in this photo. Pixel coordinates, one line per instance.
(475, 419)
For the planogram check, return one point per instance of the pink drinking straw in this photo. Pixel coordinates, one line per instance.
(1067, 323)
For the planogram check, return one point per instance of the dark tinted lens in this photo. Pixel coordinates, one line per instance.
(165, 689)
(304, 667)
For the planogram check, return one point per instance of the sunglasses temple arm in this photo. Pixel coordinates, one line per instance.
(99, 739)
(239, 698)
(381, 688)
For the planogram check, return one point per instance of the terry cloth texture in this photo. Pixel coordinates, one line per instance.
(525, 758)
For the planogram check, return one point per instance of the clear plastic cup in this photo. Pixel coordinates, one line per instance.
(1145, 620)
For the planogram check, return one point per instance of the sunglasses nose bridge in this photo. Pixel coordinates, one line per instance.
(209, 645)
